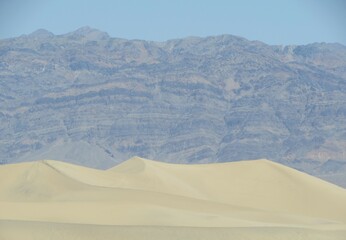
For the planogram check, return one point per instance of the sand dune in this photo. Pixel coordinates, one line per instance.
(144, 199)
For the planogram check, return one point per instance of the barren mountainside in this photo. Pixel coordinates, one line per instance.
(88, 98)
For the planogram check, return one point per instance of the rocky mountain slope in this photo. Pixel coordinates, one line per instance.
(87, 98)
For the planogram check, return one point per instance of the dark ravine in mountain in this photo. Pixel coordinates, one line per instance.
(87, 98)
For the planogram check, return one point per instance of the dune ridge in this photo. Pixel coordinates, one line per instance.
(238, 199)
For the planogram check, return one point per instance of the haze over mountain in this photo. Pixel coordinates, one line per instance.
(87, 98)
(144, 199)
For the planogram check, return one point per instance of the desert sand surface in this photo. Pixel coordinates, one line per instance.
(145, 199)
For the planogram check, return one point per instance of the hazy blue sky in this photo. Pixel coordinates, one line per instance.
(270, 21)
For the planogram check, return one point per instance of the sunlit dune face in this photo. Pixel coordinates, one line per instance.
(166, 198)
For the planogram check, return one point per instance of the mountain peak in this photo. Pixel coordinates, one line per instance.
(85, 30)
(41, 33)
(89, 33)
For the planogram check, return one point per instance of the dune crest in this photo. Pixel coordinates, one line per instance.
(253, 195)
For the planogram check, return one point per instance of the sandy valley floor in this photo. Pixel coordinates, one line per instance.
(144, 199)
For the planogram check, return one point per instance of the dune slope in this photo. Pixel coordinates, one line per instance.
(145, 199)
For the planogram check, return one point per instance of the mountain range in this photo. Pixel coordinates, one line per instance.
(87, 98)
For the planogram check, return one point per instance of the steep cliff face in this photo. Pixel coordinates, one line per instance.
(90, 98)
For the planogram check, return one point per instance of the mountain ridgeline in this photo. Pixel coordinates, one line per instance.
(87, 98)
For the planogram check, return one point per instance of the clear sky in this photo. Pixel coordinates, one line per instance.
(270, 21)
